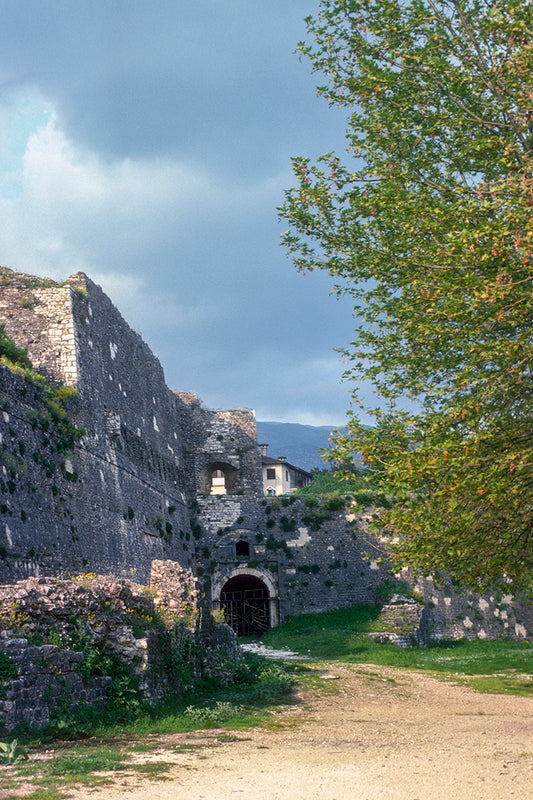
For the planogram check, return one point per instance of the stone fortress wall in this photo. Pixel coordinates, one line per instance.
(138, 485)
(124, 496)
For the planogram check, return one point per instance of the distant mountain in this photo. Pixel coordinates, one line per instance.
(300, 444)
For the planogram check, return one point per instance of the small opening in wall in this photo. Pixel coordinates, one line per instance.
(218, 482)
(242, 548)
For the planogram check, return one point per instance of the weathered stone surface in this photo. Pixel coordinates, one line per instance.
(48, 678)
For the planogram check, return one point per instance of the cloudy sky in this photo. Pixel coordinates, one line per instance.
(148, 143)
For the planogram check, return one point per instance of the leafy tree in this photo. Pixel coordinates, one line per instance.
(428, 227)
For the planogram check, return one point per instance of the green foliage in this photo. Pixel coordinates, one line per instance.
(10, 753)
(309, 569)
(259, 682)
(73, 766)
(366, 498)
(8, 672)
(330, 482)
(429, 229)
(222, 711)
(335, 503)
(257, 685)
(52, 405)
(287, 524)
(65, 395)
(27, 302)
(387, 589)
(316, 519)
(10, 351)
(335, 490)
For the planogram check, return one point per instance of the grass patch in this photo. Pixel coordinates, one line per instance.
(501, 684)
(44, 794)
(500, 666)
(329, 635)
(74, 764)
(153, 769)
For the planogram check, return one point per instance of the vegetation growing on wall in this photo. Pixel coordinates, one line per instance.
(104, 618)
(338, 491)
(47, 408)
(8, 277)
(10, 353)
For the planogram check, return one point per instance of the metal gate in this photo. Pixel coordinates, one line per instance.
(247, 611)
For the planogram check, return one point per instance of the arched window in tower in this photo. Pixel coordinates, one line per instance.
(218, 482)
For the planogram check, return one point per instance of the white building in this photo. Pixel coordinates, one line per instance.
(280, 477)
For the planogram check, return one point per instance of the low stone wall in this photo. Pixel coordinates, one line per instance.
(399, 622)
(454, 613)
(176, 659)
(47, 679)
(173, 587)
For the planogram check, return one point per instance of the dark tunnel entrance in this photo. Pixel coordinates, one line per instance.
(246, 605)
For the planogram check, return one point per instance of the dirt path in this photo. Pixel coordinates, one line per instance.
(383, 733)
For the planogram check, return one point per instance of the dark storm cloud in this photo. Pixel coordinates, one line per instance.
(208, 80)
(164, 151)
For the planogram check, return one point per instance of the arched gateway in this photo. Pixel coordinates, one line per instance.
(246, 605)
(248, 601)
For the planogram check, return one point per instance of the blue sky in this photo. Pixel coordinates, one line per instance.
(148, 143)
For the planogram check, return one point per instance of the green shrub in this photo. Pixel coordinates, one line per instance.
(10, 753)
(8, 672)
(287, 524)
(13, 353)
(334, 503)
(387, 589)
(218, 714)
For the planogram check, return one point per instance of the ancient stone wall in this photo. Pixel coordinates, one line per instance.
(47, 678)
(119, 499)
(83, 510)
(156, 630)
(454, 613)
(157, 477)
(321, 558)
(317, 557)
(37, 313)
(146, 453)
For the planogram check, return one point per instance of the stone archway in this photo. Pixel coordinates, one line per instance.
(219, 478)
(247, 604)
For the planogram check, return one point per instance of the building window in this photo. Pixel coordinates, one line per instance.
(271, 474)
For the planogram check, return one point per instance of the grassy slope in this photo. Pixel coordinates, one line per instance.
(489, 666)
